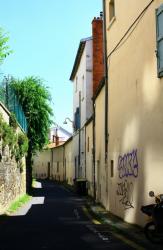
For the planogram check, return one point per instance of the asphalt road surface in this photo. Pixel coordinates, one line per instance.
(55, 220)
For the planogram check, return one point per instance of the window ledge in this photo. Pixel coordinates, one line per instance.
(111, 23)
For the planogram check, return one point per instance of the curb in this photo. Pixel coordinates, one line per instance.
(128, 235)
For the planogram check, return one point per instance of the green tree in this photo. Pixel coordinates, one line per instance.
(4, 48)
(35, 100)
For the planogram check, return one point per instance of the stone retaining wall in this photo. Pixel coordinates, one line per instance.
(12, 178)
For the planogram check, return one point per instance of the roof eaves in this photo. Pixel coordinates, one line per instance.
(78, 56)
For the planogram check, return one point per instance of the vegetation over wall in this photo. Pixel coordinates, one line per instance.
(35, 100)
(17, 142)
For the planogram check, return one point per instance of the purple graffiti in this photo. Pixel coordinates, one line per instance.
(128, 165)
(125, 192)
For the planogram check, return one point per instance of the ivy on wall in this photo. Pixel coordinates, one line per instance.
(17, 142)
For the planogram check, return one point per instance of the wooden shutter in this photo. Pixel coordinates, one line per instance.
(159, 29)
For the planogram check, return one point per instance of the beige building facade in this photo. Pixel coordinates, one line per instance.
(55, 163)
(41, 164)
(61, 163)
(101, 173)
(89, 157)
(68, 162)
(135, 104)
(57, 172)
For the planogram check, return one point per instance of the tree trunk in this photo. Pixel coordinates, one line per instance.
(29, 171)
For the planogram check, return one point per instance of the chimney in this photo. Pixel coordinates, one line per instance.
(98, 62)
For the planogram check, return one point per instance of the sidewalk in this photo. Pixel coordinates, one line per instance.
(129, 231)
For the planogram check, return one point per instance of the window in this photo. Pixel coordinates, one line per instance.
(77, 119)
(88, 144)
(112, 168)
(76, 84)
(159, 30)
(83, 87)
(111, 10)
(57, 166)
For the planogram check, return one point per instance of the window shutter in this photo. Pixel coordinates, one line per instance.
(77, 119)
(159, 29)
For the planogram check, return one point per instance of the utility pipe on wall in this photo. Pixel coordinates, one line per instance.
(106, 80)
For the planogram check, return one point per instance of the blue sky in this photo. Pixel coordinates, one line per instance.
(44, 36)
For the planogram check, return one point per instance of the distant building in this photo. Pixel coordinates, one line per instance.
(43, 163)
(57, 136)
(86, 74)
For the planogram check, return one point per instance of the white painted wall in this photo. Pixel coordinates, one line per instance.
(60, 132)
(82, 84)
(83, 78)
(89, 80)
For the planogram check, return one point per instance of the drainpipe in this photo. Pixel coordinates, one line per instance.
(94, 150)
(79, 133)
(85, 151)
(51, 167)
(64, 166)
(106, 80)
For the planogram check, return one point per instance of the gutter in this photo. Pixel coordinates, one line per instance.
(105, 80)
(94, 150)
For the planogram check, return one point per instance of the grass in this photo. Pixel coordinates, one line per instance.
(18, 203)
(33, 182)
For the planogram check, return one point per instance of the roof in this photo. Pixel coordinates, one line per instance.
(63, 143)
(64, 131)
(78, 56)
(89, 120)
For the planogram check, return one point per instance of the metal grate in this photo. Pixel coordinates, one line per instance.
(10, 100)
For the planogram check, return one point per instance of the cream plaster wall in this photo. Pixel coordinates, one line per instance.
(135, 111)
(89, 157)
(75, 154)
(40, 164)
(101, 169)
(68, 163)
(57, 167)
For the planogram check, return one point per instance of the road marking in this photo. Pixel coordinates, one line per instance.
(99, 234)
(124, 239)
(94, 221)
(76, 213)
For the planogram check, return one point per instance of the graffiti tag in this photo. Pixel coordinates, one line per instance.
(125, 192)
(128, 165)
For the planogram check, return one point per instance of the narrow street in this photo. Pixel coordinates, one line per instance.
(55, 221)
